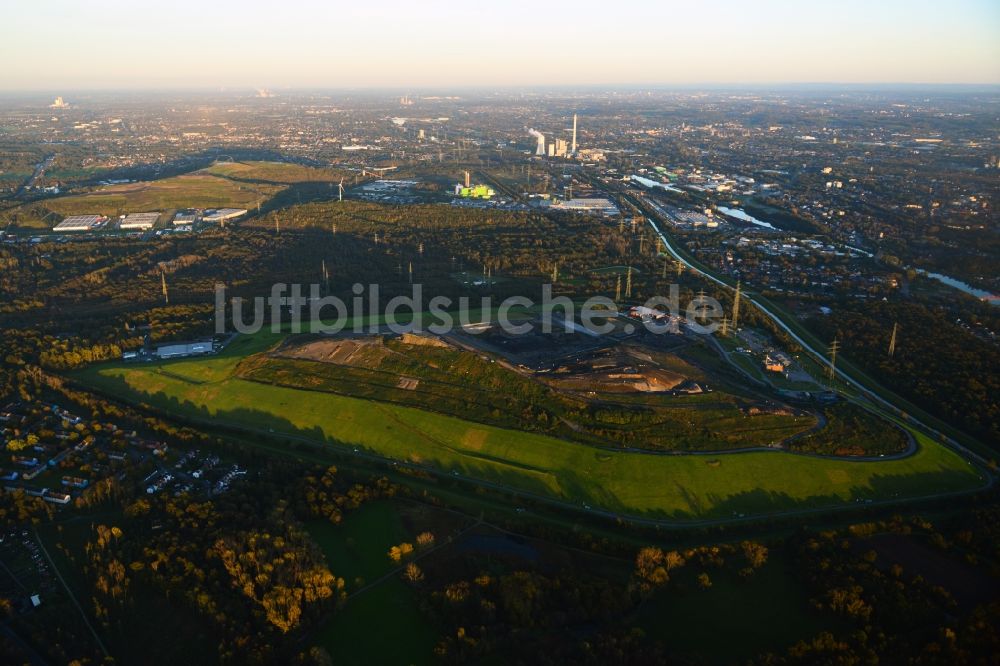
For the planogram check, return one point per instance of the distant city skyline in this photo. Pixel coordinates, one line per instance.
(112, 44)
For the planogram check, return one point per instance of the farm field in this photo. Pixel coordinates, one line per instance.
(274, 172)
(676, 487)
(222, 185)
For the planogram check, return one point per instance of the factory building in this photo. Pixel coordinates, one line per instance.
(80, 223)
(139, 221)
(184, 349)
(597, 205)
(223, 214)
(474, 192)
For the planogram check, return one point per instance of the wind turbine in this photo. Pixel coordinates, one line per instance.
(340, 190)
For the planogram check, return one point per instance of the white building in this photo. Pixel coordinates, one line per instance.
(596, 205)
(80, 223)
(141, 221)
(184, 349)
(223, 214)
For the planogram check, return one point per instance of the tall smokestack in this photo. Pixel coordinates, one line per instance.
(573, 147)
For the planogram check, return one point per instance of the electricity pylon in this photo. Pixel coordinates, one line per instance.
(834, 348)
(163, 286)
(736, 305)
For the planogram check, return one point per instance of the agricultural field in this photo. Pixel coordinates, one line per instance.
(275, 173)
(675, 487)
(194, 190)
(222, 185)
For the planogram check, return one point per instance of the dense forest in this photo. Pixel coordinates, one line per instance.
(937, 364)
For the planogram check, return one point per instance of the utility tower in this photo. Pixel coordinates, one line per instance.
(628, 283)
(618, 289)
(892, 340)
(834, 348)
(736, 305)
(163, 286)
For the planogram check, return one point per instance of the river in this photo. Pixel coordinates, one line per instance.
(981, 294)
(740, 214)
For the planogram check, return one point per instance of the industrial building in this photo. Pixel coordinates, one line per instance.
(80, 223)
(590, 155)
(598, 205)
(140, 221)
(696, 219)
(185, 218)
(223, 214)
(475, 192)
(184, 349)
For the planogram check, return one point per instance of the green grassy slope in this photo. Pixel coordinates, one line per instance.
(663, 486)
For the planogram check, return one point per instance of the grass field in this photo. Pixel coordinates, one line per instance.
(460, 383)
(275, 172)
(235, 185)
(681, 487)
(386, 616)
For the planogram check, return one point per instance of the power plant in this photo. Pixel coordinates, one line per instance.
(556, 147)
(572, 149)
(540, 150)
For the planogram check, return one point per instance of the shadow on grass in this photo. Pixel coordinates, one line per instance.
(567, 486)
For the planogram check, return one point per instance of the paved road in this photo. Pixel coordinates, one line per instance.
(652, 218)
(911, 441)
(35, 175)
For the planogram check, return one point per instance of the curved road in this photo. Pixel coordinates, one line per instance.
(650, 215)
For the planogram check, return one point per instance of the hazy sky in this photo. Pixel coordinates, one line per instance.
(61, 45)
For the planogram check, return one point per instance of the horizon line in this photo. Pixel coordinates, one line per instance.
(610, 87)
